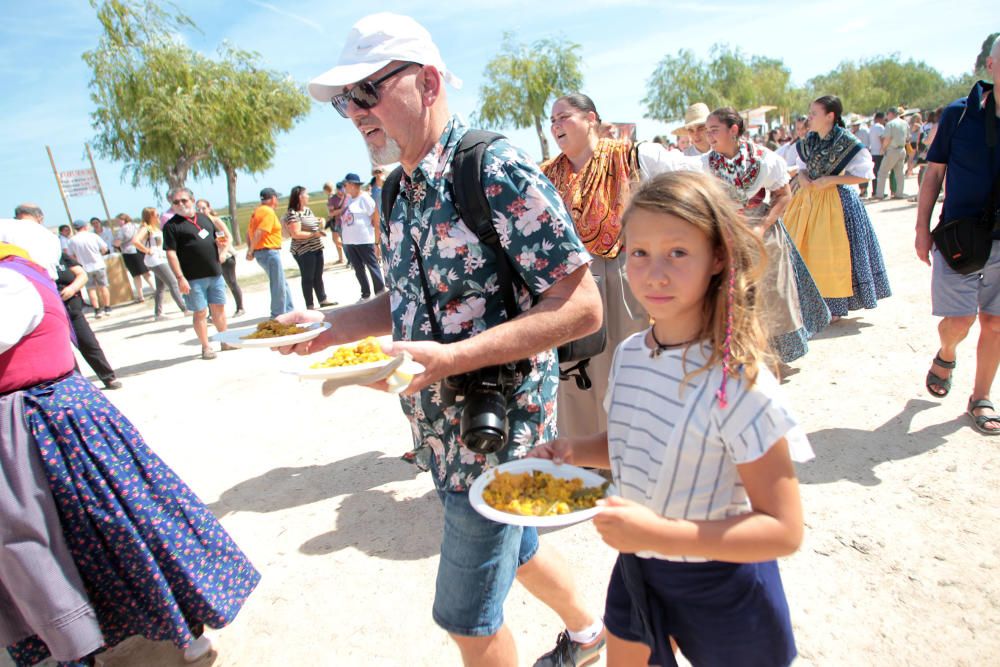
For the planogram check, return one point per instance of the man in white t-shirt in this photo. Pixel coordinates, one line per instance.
(875, 141)
(361, 236)
(89, 249)
(864, 136)
(106, 233)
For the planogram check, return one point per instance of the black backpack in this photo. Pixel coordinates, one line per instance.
(474, 210)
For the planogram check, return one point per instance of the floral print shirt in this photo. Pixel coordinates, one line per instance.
(537, 233)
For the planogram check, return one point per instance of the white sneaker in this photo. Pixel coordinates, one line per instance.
(198, 649)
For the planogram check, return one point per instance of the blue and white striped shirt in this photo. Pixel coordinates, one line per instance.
(674, 449)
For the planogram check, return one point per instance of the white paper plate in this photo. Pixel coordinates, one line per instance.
(410, 368)
(235, 336)
(561, 470)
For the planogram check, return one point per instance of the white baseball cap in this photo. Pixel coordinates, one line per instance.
(374, 42)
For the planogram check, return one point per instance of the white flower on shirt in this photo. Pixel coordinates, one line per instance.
(468, 311)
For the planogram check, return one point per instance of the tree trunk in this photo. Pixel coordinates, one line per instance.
(231, 188)
(542, 138)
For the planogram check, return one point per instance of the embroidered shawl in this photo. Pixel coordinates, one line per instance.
(740, 173)
(830, 155)
(596, 195)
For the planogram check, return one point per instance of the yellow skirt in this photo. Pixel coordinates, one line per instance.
(815, 221)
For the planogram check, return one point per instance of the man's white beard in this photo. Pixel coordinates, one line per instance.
(387, 154)
(186, 212)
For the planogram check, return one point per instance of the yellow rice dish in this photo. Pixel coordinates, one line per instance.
(364, 352)
(274, 329)
(540, 494)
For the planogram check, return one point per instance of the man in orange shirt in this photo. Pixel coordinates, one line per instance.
(264, 233)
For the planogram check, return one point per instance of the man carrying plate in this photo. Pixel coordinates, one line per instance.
(489, 390)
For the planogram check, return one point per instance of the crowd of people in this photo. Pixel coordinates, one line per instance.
(702, 266)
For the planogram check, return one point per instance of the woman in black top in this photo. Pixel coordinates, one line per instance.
(305, 230)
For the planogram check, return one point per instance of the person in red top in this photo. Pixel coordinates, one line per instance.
(90, 551)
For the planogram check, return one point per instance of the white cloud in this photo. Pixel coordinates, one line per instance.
(301, 19)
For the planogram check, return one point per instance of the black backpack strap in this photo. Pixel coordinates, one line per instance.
(390, 190)
(474, 208)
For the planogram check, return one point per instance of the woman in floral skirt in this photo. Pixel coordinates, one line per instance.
(152, 559)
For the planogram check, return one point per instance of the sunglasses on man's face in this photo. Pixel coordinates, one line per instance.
(179, 201)
(365, 94)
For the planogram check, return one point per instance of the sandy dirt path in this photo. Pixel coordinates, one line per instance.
(902, 502)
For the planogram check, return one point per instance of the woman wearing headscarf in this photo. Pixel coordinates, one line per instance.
(594, 177)
(792, 308)
(826, 218)
(101, 540)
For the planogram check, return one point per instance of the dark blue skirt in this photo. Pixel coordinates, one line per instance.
(154, 560)
(720, 614)
(868, 276)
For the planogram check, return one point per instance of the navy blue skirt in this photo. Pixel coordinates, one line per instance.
(720, 614)
(154, 560)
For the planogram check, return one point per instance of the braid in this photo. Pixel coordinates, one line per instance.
(727, 344)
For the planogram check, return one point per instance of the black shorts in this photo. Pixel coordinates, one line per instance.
(135, 263)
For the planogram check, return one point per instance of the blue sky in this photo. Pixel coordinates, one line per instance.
(48, 103)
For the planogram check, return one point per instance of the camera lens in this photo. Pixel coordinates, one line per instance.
(484, 421)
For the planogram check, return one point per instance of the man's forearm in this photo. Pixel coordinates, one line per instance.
(175, 265)
(371, 318)
(551, 322)
(930, 188)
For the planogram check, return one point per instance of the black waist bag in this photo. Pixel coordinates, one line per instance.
(474, 209)
(965, 243)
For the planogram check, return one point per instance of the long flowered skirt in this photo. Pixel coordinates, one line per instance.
(869, 279)
(153, 559)
(814, 314)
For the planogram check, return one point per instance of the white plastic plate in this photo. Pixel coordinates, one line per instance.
(561, 470)
(235, 338)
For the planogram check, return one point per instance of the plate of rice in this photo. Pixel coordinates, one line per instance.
(538, 492)
(271, 334)
(358, 360)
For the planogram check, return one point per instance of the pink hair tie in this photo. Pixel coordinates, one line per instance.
(727, 353)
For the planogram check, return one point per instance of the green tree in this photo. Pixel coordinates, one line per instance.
(521, 81)
(886, 81)
(152, 95)
(728, 78)
(253, 106)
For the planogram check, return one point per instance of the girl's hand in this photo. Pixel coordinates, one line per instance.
(559, 450)
(627, 526)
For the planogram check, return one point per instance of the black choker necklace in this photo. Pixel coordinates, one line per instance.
(660, 347)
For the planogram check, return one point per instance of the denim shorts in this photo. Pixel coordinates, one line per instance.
(205, 291)
(956, 295)
(479, 560)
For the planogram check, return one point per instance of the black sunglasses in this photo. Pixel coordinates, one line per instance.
(365, 94)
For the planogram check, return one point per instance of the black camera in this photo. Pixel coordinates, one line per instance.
(487, 392)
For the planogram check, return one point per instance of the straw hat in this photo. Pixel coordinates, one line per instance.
(696, 114)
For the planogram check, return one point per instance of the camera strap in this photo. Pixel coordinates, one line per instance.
(428, 299)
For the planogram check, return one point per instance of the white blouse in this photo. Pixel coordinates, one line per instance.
(861, 165)
(22, 308)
